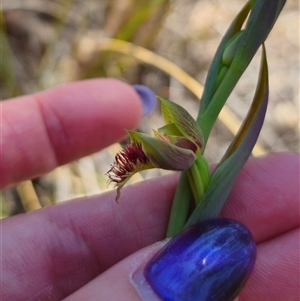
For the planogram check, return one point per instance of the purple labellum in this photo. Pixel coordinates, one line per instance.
(210, 261)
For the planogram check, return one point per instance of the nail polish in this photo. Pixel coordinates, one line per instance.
(210, 261)
(147, 97)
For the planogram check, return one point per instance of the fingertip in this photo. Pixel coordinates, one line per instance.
(147, 97)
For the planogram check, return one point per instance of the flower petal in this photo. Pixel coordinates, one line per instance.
(176, 140)
(185, 123)
(163, 154)
(127, 162)
(170, 129)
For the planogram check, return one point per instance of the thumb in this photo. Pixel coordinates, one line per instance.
(208, 261)
(117, 283)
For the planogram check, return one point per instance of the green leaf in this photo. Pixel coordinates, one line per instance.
(236, 156)
(259, 24)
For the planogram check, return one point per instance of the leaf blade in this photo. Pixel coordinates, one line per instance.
(224, 176)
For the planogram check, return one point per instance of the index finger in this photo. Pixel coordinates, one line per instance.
(51, 128)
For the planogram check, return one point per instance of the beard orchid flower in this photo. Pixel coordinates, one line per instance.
(174, 146)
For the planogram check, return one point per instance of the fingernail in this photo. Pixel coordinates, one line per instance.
(147, 97)
(208, 261)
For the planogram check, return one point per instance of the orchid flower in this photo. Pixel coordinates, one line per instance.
(174, 146)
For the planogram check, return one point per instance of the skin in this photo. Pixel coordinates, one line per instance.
(89, 248)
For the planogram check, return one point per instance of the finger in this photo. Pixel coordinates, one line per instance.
(65, 246)
(117, 282)
(275, 275)
(94, 233)
(57, 126)
(266, 196)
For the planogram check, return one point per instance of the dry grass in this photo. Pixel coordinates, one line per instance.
(52, 42)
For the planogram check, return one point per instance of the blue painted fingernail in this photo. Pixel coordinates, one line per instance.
(147, 97)
(208, 261)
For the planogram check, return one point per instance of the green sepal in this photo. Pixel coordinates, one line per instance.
(185, 123)
(163, 154)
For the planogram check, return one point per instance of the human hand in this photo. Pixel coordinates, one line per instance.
(79, 250)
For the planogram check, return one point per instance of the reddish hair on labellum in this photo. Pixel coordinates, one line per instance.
(126, 162)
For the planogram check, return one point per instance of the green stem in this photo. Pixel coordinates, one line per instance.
(180, 206)
(192, 183)
(203, 167)
(196, 183)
